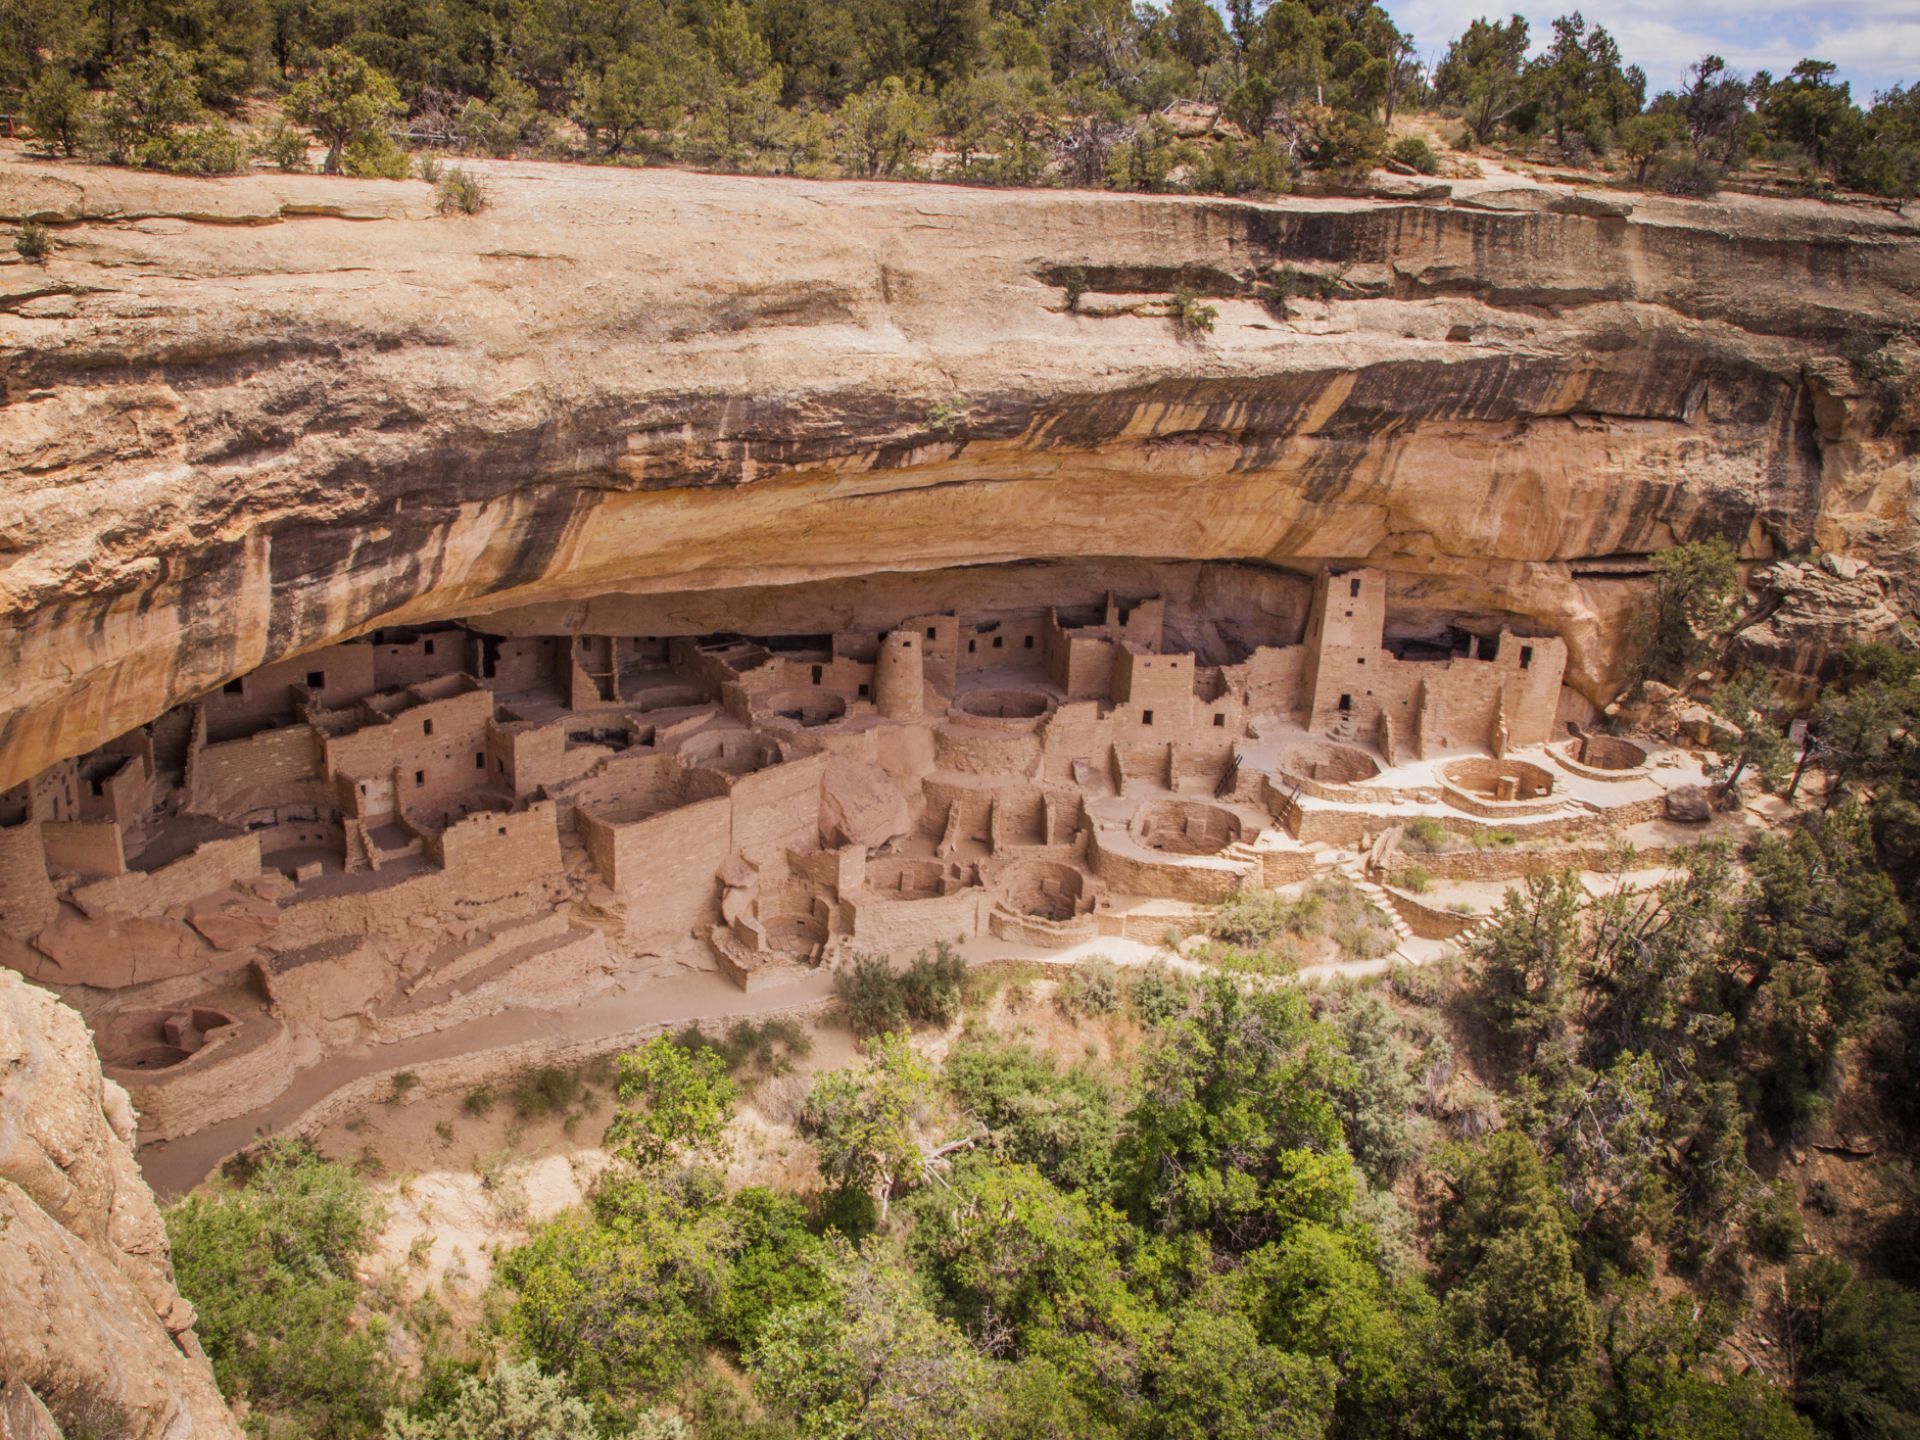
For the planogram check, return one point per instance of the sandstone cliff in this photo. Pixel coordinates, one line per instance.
(92, 1333)
(245, 418)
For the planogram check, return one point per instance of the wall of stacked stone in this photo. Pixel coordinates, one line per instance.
(778, 807)
(1286, 867)
(1016, 929)
(1429, 922)
(27, 902)
(896, 925)
(214, 866)
(267, 694)
(664, 869)
(970, 749)
(273, 768)
(1517, 863)
(1197, 879)
(495, 852)
(232, 1077)
(90, 848)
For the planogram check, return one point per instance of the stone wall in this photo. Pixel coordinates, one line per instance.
(27, 901)
(264, 771)
(88, 848)
(217, 865)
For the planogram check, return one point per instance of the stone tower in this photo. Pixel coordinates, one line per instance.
(899, 677)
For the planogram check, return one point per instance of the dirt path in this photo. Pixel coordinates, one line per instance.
(172, 1167)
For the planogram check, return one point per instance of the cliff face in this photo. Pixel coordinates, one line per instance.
(246, 418)
(92, 1333)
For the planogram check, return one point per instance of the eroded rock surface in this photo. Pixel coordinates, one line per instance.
(229, 442)
(90, 1322)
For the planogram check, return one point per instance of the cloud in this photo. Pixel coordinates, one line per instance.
(1876, 43)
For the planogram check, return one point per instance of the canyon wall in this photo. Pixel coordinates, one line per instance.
(246, 418)
(92, 1331)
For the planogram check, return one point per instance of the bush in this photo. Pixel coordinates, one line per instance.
(210, 149)
(59, 111)
(1773, 1224)
(1415, 153)
(1493, 839)
(871, 997)
(1260, 917)
(514, 1400)
(1158, 994)
(269, 1265)
(34, 242)
(1416, 878)
(1425, 834)
(1686, 175)
(1092, 987)
(375, 157)
(1191, 315)
(429, 169)
(932, 986)
(548, 1090)
(460, 191)
(1073, 283)
(285, 146)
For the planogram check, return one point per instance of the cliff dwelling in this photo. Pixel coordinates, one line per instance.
(409, 831)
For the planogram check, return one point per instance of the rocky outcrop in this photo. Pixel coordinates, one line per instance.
(93, 1334)
(1810, 610)
(246, 418)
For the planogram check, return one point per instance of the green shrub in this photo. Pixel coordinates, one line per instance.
(1415, 153)
(460, 192)
(1157, 994)
(1773, 1222)
(34, 242)
(210, 149)
(285, 146)
(1425, 834)
(1492, 839)
(375, 157)
(1191, 315)
(1260, 917)
(933, 985)
(477, 1101)
(429, 169)
(1062, 1123)
(1416, 878)
(270, 1264)
(59, 111)
(1092, 987)
(544, 1091)
(511, 1400)
(1073, 283)
(871, 997)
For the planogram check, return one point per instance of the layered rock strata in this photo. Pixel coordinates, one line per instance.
(246, 419)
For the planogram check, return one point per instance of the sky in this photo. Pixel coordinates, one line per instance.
(1876, 43)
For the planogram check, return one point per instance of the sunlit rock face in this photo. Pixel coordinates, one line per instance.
(245, 419)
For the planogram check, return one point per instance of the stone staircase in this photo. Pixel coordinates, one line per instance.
(1354, 869)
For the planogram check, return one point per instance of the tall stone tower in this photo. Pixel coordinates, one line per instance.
(900, 677)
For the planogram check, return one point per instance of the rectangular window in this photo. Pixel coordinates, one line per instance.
(1146, 717)
(818, 674)
(1526, 656)
(429, 647)
(419, 778)
(234, 687)
(932, 634)
(479, 760)
(426, 727)
(316, 679)
(1346, 704)
(1353, 587)
(999, 642)
(1029, 644)
(865, 691)
(973, 647)
(1219, 722)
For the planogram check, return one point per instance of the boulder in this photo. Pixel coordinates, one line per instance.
(1689, 805)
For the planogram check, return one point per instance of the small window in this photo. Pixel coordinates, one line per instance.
(1526, 656)
(503, 829)
(429, 647)
(1348, 614)
(503, 766)
(479, 760)
(583, 643)
(1146, 717)
(865, 692)
(234, 687)
(1353, 587)
(1346, 704)
(999, 642)
(818, 674)
(1029, 644)
(1219, 722)
(973, 647)
(316, 679)
(426, 727)
(1361, 659)
(419, 778)
(932, 633)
